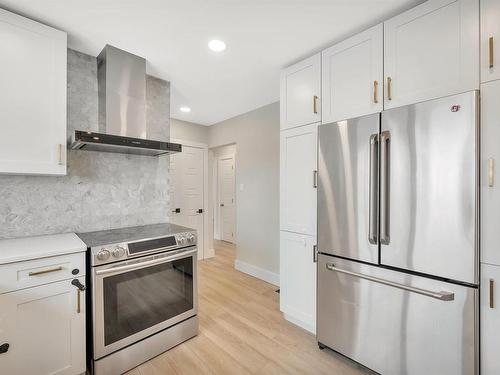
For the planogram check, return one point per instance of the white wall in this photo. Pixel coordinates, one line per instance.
(188, 131)
(256, 135)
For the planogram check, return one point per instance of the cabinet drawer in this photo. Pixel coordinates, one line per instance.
(20, 275)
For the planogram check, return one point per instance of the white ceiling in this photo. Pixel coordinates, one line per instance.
(262, 36)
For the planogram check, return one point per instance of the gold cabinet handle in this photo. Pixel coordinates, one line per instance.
(491, 172)
(389, 88)
(60, 153)
(78, 303)
(315, 105)
(375, 92)
(36, 273)
(490, 47)
(492, 305)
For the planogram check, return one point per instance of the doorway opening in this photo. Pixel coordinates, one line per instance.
(224, 193)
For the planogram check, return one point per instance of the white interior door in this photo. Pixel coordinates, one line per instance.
(188, 193)
(226, 198)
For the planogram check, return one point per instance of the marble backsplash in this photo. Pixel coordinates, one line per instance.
(101, 190)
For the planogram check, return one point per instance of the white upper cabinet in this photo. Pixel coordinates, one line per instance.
(300, 93)
(297, 180)
(489, 181)
(352, 76)
(490, 40)
(32, 98)
(431, 51)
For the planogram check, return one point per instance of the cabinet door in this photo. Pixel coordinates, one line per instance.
(490, 40)
(300, 90)
(352, 76)
(431, 51)
(297, 179)
(44, 329)
(490, 319)
(490, 162)
(33, 97)
(298, 279)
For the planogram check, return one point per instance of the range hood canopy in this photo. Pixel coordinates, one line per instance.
(122, 109)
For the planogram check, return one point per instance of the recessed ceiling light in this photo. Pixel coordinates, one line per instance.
(185, 109)
(217, 45)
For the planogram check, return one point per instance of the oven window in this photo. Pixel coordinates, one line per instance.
(139, 299)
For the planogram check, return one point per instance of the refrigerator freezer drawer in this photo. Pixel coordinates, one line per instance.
(396, 323)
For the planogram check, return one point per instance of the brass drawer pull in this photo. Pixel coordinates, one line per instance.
(492, 304)
(490, 45)
(315, 104)
(78, 303)
(491, 172)
(36, 273)
(375, 92)
(389, 88)
(60, 154)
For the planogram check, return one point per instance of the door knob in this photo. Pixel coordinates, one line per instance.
(78, 284)
(4, 348)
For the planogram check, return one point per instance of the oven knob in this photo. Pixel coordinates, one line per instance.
(191, 238)
(103, 254)
(182, 240)
(118, 252)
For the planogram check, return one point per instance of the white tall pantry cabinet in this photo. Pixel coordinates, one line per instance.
(490, 219)
(33, 97)
(300, 116)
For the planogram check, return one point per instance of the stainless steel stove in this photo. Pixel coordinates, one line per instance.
(144, 293)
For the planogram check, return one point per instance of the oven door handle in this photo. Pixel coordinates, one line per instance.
(152, 262)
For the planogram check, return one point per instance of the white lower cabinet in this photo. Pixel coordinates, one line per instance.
(490, 319)
(298, 279)
(44, 327)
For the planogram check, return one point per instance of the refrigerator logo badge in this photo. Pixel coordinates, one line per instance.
(455, 108)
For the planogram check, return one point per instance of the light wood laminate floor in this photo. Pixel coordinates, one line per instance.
(242, 331)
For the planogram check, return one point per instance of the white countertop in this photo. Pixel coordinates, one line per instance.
(29, 248)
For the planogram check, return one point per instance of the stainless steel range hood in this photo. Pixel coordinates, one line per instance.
(122, 109)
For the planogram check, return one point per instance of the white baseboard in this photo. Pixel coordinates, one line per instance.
(259, 273)
(209, 253)
(300, 323)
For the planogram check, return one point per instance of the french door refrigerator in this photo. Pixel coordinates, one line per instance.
(398, 238)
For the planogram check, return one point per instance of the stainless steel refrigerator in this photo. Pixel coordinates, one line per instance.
(398, 261)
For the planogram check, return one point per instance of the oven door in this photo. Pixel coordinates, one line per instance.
(137, 298)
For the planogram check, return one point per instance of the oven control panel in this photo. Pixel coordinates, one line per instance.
(122, 251)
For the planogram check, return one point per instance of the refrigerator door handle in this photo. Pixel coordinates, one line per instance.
(373, 191)
(442, 296)
(385, 158)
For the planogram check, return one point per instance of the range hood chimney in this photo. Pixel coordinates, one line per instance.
(122, 108)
